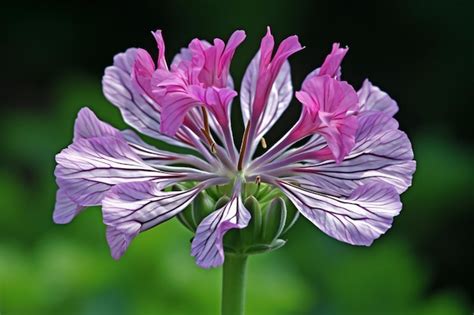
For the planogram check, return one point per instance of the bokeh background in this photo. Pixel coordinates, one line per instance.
(420, 52)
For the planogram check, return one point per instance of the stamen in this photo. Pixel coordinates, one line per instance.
(263, 143)
(243, 147)
(258, 180)
(207, 130)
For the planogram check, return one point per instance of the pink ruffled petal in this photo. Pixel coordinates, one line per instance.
(161, 62)
(332, 63)
(327, 106)
(269, 68)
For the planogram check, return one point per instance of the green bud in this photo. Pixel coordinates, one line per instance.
(291, 217)
(274, 222)
(203, 205)
(185, 216)
(250, 234)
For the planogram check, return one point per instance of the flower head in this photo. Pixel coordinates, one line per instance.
(345, 178)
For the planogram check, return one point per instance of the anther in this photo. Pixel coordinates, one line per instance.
(258, 180)
(213, 148)
(263, 143)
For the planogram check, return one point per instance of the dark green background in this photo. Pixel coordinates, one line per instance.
(420, 52)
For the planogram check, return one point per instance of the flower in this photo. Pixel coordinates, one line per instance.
(346, 178)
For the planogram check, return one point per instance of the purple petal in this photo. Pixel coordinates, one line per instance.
(87, 125)
(372, 98)
(358, 219)
(88, 168)
(138, 109)
(207, 245)
(382, 153)
(148, 153)
(131, 208)
(65, 209)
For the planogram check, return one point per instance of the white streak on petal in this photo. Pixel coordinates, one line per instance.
(279, 99)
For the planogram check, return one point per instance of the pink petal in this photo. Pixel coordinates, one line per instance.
(161, 62)
(332, 63)
(326, 104)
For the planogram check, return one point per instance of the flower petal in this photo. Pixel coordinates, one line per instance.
(278, 100)
(358, 219)
(372, 98)
(138, 109)
(269, 68)
(217, 100)
(207, 246)
(382, 153)
(88, 168)
(65, 209)
(327, 103)
(87, 125)
(131, 208)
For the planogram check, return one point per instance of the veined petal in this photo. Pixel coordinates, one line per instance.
(278, 100)
(88, 168)
(332, 63)
(207, 246)
(372, 98)
(87, 125)
(65, 209)
(358, 219)
(381, 153)
(131, 208)
(138, 110)
(148, 153)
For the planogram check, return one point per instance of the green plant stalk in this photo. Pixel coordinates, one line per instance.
(233, 284)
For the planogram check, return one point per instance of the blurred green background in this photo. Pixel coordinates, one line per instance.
(420, 52)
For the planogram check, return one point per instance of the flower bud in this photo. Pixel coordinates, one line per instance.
(274, 222)
(272, 215)
(250, 234)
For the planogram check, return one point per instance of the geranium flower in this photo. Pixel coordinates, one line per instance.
(346, 178)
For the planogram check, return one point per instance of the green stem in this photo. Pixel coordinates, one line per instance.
(233, 284)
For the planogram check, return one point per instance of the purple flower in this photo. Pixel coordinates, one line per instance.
(345, 178)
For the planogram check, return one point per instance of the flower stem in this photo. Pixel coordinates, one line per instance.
(233, 284)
